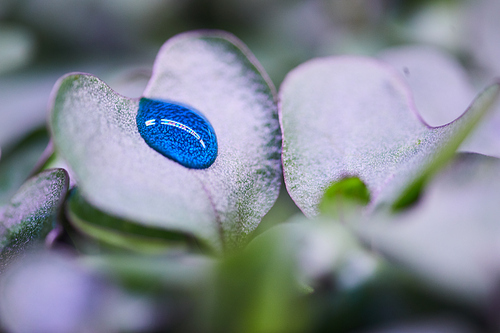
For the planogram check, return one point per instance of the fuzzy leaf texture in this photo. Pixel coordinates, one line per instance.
(31, 213)
(95, 131)
(355, 117)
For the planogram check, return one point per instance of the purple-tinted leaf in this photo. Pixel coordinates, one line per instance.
(441, 91)
(452, 237)
(351, 116)
(439, 85)
(31, 213)
(24, 96)
(95, 131)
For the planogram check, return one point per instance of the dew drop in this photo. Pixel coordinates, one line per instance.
(177, 132)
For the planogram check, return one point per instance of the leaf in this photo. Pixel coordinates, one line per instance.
(94, 130)
(352, 116)
(482, 43)
(53, 292)
(18, 162)
(353, 288)
(344, 196)
(451, 238)
(31, 213)
(180, 272)
(427, 70)
(439, 84)
(24, 102)
(17, 45)
(263, 276)
(122, 233)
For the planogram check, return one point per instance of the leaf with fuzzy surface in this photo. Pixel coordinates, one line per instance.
(94, 130)
(441, 90)
(354, 117)
(31, 213)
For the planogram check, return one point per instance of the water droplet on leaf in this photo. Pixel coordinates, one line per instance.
(177, 132)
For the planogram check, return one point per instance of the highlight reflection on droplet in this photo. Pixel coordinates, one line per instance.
(177, 132)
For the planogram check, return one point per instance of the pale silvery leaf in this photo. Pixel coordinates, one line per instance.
(352, 116)
(441, 91)
(31, 213)
(439, 84)
(452, 237)
(95, 131)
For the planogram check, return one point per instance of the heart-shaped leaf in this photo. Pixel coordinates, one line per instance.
(348, 116)
(452, 237)
(31, 213)
(95, 131)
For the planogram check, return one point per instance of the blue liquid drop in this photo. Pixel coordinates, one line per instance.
(177, 132)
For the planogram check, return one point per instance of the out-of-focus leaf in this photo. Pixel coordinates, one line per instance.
(31, 213)
(389, 295)
(95, 131)
(343, 197)
(439, 84)
(451, 238)
(437, 22)
(24, 95)
(350, 116)
(427, 70)
(269, 297)
(17, 46)
(19, 161)
(482, 39)
(178, 272)
(54, 293)
(350, 288)
(24, 101)
(182, 284)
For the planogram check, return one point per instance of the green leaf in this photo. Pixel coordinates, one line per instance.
(355, 116)
(31, 213)
(122, 233)
(344, 196)
(94, 130)
(257, 290)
